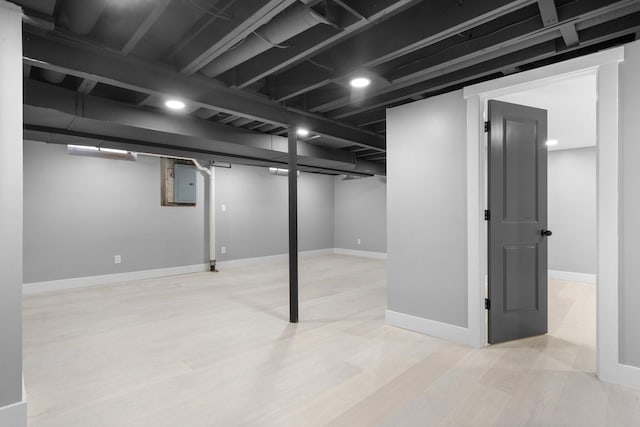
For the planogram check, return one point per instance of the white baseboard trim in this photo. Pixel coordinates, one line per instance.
(271, 258)
(14, 415)
(82, 282)
(366, 254)
(571, 276)
(434, 328)
(629, 376)
(105, 279)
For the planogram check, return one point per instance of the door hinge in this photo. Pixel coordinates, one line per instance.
(487, 214)
(487, 304)
(486, 126)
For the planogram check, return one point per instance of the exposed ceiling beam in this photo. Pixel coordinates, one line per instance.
(473, 51)
(228, 119)
(414, 28)
(309, 43)
(87, 86)
(105, 66)
(53, 106)
(158, 9)
(529, 54)
(349, 9)
(214, 40)
(592, 38)
(548, 12)
(569, 34)
(205, 113)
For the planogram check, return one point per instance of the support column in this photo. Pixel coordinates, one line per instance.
(293, 225)
(12, 406)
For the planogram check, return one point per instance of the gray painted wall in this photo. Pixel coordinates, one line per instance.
(255, 222)
(630, 200)
(361, 213)
(572, 210)
(81, 211)
(10, 205)
(426, 209)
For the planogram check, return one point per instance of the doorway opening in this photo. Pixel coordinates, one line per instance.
(569, 205)
(603, 66)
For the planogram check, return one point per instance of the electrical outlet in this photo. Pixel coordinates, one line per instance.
(358, 241)
(223, 207)
(117, 259)
(223, 250)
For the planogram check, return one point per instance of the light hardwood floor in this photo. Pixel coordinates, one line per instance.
(216, 350)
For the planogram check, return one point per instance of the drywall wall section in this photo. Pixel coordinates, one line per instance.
(11, 215)
(426, 209)
(630, 201)
(572, 210)
(80, 212)
(361, 214)
(252, 213)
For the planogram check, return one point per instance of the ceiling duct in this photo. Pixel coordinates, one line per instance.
(290, 23)
(80, 16)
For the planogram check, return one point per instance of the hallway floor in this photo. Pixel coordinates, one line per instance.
(216, 350)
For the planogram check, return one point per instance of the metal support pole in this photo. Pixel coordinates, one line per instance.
(293, 225)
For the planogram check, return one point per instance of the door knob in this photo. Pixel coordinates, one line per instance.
(546, 233)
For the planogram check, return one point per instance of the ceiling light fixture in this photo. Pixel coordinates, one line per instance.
(552, 142)
(303, 132)
(360, 82)
(174, 104)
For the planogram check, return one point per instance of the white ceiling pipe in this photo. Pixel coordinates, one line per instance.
(281, 28)
(80, 16)
(211, 172)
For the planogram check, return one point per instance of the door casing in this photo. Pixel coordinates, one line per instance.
(605, 66)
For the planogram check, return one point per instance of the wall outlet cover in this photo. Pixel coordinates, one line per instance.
(117, 259)
(223, 250)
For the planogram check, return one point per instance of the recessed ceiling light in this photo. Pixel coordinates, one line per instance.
(360, 82)
(174, 104)
(552, 142)
(303, 132)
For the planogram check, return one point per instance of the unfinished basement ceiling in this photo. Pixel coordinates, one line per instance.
(247, 70)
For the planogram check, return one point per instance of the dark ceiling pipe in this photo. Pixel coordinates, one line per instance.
(290, 23)
(80, 16)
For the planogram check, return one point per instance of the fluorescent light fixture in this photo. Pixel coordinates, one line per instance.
(83, 147)
(360, 82)
(552, 142)
(281, 171)
(113, 150)
(107, 153)
(303, 132)
(174, 104)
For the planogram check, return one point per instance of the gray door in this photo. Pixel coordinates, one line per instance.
(517, 236)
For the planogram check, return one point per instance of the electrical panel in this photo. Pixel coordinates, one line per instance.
(184, 184)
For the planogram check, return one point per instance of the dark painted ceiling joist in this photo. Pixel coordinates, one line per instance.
(410, 30)
(102, 65)
(548, 12)
(58, 109)
(158, 9)
(314, 41)
(214, 40)
(474, 51)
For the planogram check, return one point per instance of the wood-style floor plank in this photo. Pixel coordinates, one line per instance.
(217, 350)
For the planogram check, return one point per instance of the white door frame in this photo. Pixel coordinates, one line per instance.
(605, 66)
